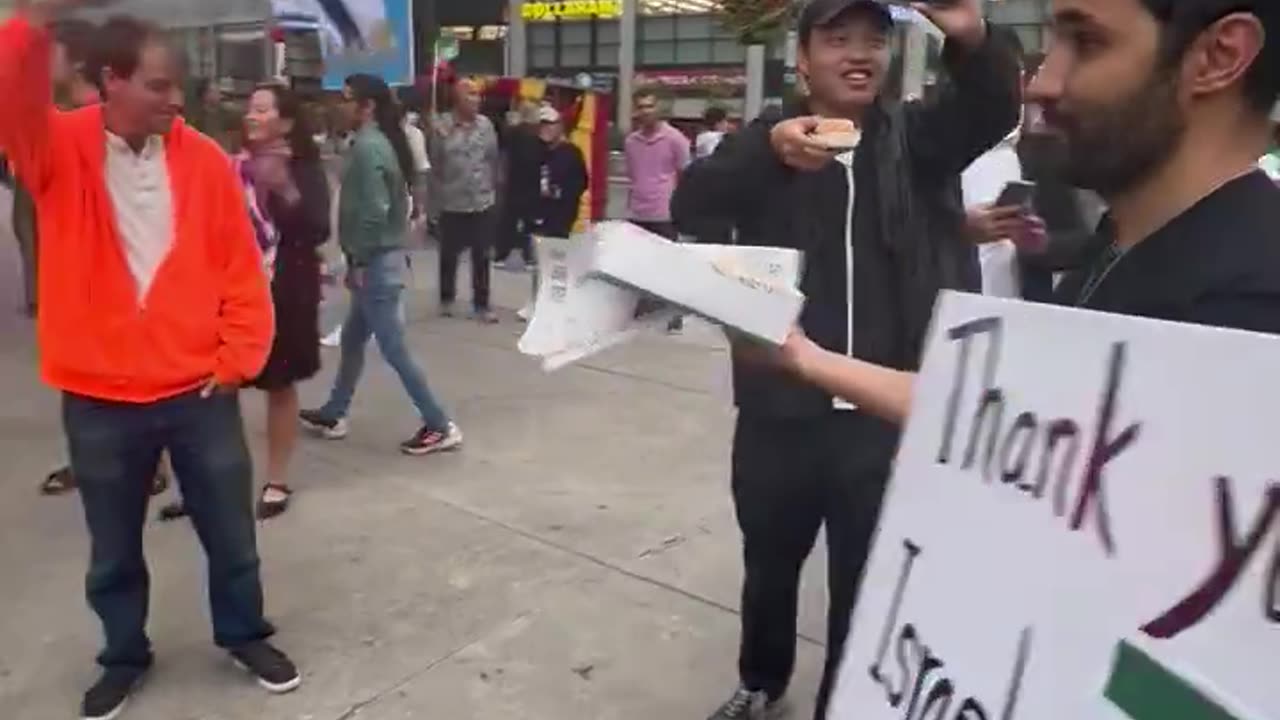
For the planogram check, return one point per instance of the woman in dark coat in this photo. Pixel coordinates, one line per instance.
(288, 197)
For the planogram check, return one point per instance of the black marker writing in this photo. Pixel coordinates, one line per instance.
(1234, 556)
(965, 333)
(1104, 451)
(1271, 591)
(922, 688)
(912, 552)
(992, 444)
(1021, 440)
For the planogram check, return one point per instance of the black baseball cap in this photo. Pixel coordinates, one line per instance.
(823, 13)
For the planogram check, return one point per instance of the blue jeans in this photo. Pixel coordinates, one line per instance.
(114, 450)
(376, 312)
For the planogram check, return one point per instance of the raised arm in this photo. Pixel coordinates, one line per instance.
(978, 107)
(27, 121)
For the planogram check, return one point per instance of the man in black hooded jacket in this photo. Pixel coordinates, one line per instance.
(881, 236)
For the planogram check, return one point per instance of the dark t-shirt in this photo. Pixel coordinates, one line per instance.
(1216, 264)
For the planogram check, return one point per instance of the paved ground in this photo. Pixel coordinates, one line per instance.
(578, 561)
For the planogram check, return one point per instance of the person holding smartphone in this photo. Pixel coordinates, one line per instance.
(1168, 132)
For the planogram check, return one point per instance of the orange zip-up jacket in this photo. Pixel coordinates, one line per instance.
(207, 314)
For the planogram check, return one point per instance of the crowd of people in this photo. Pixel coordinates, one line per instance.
(170, 276)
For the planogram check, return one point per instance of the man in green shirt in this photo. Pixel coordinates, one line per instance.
(373, 217)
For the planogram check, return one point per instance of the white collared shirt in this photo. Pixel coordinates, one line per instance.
(138, 183)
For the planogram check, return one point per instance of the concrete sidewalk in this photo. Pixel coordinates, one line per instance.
(577, 560)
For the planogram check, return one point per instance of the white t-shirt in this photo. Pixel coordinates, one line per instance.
(981, 184)
(417, 146)
(706, 143)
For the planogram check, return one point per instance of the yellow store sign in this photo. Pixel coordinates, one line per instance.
(571, 10)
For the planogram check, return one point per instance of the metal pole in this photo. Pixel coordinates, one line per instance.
(628, 37)
(517, 46)
(755, 83)
(914, 59)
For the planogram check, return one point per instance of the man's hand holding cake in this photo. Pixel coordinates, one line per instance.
(810, 142)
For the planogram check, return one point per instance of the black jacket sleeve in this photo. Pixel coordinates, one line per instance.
(576, 182)
(978, 107)
(732, 181)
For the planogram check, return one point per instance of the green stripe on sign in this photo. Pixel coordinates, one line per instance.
(1146, 690)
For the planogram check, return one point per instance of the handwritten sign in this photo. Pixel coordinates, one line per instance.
(570, 10)
(1083, 523)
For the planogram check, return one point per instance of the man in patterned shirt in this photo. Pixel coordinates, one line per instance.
(464, 160)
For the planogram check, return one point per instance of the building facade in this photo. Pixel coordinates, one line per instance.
(1028, 18)
(679, 48)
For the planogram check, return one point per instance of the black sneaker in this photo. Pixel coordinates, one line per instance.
(108, 696)
(747, 704)
(328, 428)
(428, 440)
(273, 669)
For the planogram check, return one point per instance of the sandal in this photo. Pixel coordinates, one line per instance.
(58, 482)
(268, 509)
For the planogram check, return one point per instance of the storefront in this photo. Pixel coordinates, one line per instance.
(477, 30)
(683, 51)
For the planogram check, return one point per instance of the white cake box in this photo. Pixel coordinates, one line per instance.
(760, 302)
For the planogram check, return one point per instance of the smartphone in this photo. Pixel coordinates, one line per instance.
(1017, 192)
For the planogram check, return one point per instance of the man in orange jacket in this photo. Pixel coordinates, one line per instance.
(154, 308)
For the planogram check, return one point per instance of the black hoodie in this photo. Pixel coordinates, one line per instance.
(876, 254)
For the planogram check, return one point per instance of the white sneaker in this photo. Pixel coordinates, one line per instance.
(333, 339)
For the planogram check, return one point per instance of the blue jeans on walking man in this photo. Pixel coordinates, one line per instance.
(114, 449)
(376, 312)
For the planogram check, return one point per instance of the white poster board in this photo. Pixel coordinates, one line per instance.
(1129, 572)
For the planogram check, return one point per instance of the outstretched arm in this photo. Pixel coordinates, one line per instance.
(978, 108)
(875, 389)
(878, 390)
(26, 124)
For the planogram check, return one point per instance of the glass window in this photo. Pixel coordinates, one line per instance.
(542, 57)
(726, 51)
(541, 34)
(575, 55)
(607, 54)
(656, 52)
(657, 28)
(1030, 35)
(608, 31)
(694, 26)
(577, 32)
(693, 52)
(681, 7)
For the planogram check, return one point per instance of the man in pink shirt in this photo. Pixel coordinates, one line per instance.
(656, 155)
